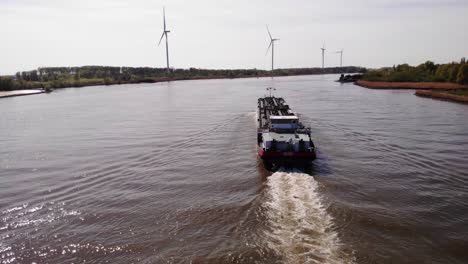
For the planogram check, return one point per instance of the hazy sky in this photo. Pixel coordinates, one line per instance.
(230, 34)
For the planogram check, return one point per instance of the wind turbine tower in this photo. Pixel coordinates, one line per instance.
(323, 55)
(164, 34)
(272, 45)
(341, 56)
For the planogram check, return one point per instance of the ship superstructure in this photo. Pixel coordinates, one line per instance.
(281, 138)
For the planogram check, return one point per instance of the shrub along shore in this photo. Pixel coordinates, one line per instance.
(445, 81)
(63, 77)
(455, 72)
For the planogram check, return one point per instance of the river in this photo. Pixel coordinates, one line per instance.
(168, 173)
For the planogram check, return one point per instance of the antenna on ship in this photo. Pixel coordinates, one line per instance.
(164, 34)
(272, 45)
(270, 89)
(341, 56)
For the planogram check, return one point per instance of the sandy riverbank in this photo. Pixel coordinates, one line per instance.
(410, 85)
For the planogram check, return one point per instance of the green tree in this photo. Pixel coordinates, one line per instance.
(453, 72)
(33, 76)
(462, 76)
(25, 76)
(430, 67)
(6, 84)
(442, 73)
(403, 67)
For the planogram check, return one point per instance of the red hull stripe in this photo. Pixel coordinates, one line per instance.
(263, 153)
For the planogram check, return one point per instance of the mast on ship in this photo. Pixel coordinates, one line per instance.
(270, 89)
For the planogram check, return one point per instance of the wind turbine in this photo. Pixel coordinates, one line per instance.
(341, 56)
(164, 34)
(323, 55)
(272, 45)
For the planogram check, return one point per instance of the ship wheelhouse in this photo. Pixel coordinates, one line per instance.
(288, 123)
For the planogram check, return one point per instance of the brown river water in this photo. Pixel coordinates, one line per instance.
(168, 173)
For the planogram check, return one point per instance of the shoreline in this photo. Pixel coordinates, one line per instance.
(14, 93)
(102, 82)
(410, 85)
(443, 96)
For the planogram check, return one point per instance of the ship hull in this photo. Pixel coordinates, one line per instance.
(286, 158)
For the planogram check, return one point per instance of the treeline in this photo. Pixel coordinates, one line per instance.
(61, 77)
(427, 72)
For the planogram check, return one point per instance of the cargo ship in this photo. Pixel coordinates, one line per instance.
(282, 140)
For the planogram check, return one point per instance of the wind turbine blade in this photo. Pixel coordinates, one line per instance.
(162, 36)
(268, 48)
(271, 38)
(164, 17)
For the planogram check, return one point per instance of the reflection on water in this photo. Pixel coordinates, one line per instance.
(169, 173)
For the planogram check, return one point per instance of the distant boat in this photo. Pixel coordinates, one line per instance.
(350, 78)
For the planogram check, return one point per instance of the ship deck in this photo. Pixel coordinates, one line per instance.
(271, 106)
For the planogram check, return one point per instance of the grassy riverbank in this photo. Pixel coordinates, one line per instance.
(410, 85)
(20, 93)
(455, 96)
(62, 77)
(441, 81)
(460, 93)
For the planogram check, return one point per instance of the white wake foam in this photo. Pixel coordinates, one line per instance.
(299, 228)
